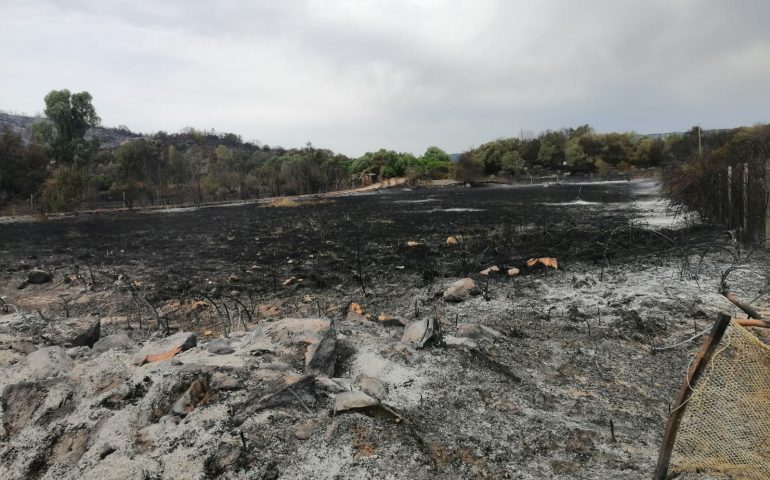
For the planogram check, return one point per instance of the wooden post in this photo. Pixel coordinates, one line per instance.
(697, 367)
(729, 196)
(767, 203)
(745, 193)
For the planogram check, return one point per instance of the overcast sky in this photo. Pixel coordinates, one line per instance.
(357, 75)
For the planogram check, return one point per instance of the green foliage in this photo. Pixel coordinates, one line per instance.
(68, 118)
(66, 189)
(551, 152)
(22, 168)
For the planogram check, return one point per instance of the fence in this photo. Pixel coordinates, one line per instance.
(729, 186)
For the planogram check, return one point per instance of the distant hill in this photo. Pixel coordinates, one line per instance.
(22, 124)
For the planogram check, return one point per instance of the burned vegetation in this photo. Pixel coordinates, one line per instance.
(488, 332)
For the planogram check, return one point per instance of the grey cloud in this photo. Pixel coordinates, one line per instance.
(359, 75)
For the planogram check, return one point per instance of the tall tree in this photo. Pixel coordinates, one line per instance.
(68, 118)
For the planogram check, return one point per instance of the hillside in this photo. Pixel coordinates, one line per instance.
(109, 137)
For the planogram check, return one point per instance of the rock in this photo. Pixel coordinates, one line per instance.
(545, 262)
(49, 362)
(329, 385)
(234, 279)
(219, 346)
(461, 342)
(477, 332)
(23, 346)
(390, 321)
(513, 271)
(356, 313)
(316, 335)
(487, 271)
(412, 244)
(158, 349)
(452, 241)
(119, 341)
(78, 352)
(352, 401)
(459, 290)
(90, 336)
(196, 394)
(19, 402)
(420, 332)
(372, 386)
(37, 275)
(223, 381)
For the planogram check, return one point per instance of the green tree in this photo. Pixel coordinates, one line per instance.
(22, 168)
(551, 152)
(66, 189)
(68, 118)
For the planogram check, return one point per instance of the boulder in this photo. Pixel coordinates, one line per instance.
(196, 394)
(37, 275)
(459, 290)
(316, 335)
(119, 341)
(420, 332)
(19, 402)
(89, 337)
(49, 362)
(513, 271)
(166, 348)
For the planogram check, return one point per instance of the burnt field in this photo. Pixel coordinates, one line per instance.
(566, 384)
(322, 240)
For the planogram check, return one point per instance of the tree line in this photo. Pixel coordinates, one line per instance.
(583, 150)
(61, 169)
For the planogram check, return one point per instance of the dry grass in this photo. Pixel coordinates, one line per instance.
(297, 202)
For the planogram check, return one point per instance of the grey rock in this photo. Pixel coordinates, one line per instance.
(420, 332)
(90, 336)
(119, 341)
(19, 402)
(477, 332)
(196, 393)
(373, 386)
(23, 346)
(37, 275)
(49, 362)
(223, 381)
(316, 335)
(219, 346)
(353, 400)
(459, 290)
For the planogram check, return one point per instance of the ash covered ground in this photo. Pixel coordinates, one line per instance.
(550, 373)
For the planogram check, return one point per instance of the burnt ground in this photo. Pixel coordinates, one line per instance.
(572, 388)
